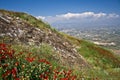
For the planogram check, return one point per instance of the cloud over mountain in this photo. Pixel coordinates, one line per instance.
(87, 15)
(79, 16)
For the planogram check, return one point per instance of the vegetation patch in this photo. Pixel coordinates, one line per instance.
(19, 66)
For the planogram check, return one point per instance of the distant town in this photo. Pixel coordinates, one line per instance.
(108, 37)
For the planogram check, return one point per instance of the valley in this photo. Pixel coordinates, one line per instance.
(108, 37)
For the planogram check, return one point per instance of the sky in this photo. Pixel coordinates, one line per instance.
(54, 11)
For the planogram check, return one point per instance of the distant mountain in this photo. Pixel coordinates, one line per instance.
(83, 25)
(79, 55)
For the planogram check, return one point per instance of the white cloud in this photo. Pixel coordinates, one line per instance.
(82, 15)
(40, 17)
(85, 16)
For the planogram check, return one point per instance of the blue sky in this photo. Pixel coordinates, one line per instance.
(84, 12)
(55, 7)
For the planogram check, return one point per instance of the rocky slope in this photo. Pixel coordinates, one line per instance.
(21, 28)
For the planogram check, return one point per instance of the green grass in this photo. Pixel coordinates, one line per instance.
(98, 56)
(101, 61)
(43, 51)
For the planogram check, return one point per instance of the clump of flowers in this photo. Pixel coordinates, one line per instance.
(28, 67)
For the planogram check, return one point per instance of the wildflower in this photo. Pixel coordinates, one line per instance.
(69, 72)
(14, 72)
(30, 59)
(64, 79)
(48, 71)
(6, 73)
(45, 77)
(54, 77)
(41, 76)
(3, 57)
(17, 63)
(2, 45)
(44, 61)
(23, 66)
(5, 65)
(57, 72)
(64, 72)
(16, 78)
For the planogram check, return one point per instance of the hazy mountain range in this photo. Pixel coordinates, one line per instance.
(85, 19)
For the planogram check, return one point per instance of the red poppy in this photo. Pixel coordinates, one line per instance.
(2, 45)
(14, 72)
(30, 59)
(44, 61)
(64, 79)
(6, 73)
(55, 77)
(3, 57)
(17, 78)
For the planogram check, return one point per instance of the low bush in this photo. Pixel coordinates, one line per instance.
(26, 66)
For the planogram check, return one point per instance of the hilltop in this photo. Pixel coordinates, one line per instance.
(25, 31)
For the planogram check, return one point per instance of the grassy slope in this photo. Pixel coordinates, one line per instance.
(105, 65)
(102, 60)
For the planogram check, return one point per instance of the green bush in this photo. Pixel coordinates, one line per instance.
(21, 66)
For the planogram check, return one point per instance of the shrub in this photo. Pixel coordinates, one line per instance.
(21, 66)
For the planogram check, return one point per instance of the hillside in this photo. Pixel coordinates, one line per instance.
(25, 32)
